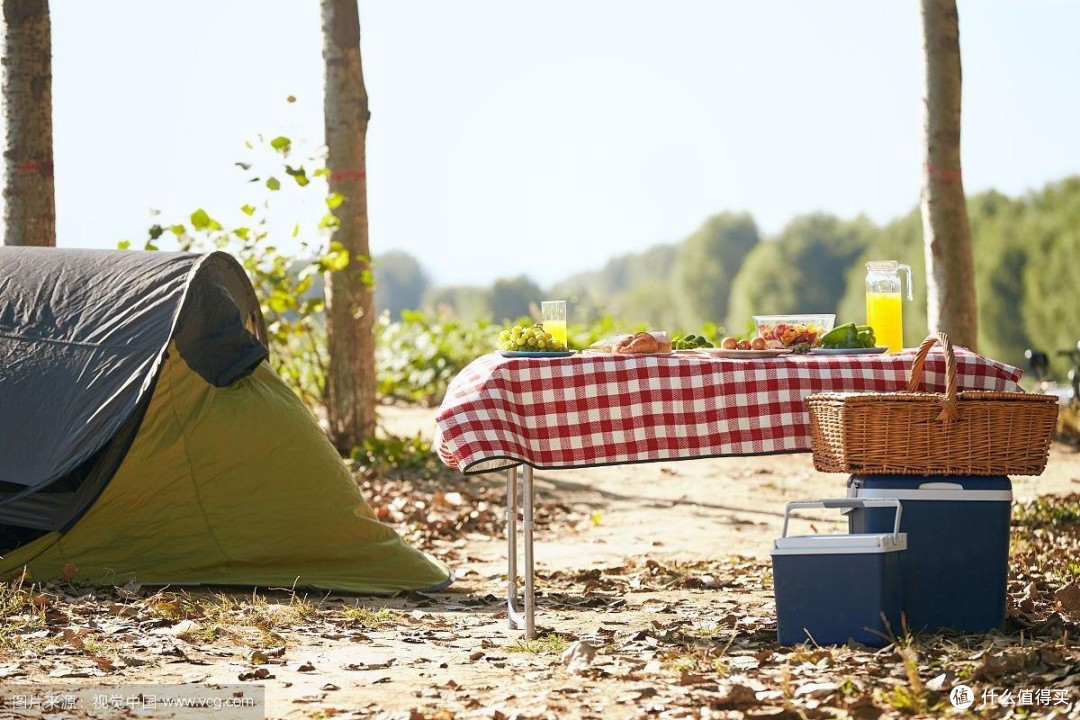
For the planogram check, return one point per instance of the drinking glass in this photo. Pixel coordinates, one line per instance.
(554, 318)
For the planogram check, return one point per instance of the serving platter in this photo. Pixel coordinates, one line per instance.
(599, 351)
(744, 354)
(536, 353)
(850, 351)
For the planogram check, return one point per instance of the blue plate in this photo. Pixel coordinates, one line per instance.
(536, 353)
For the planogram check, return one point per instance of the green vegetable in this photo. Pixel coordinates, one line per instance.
(866, 336)
(844, 336)
(690, 342)
(849, 335)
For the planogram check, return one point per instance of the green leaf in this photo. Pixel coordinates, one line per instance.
(247, 210)
(296, 230)
(321, 172)
(178, 230)
(150, 245)
(281, 144)
(367, 278)
(124, 245)
(334, 200)
(273, 184)
(281, 301)
(329, 220)
(156, 231)
(298, 174)
(242, 232)
(336, 258)
(200, 220)
(290, 99)
(243, 165)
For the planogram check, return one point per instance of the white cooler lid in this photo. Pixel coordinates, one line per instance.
(839, 544)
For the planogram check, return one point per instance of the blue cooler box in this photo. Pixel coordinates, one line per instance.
(957, 563)
(833, 588)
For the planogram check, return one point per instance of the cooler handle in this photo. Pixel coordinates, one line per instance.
(831, 503)
(940, 486)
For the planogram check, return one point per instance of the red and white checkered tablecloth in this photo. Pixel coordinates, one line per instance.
(601, 409)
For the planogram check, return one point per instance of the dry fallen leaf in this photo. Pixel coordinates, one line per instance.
(11, 670)
(184, 626)
(1069, 597)
(259, 674)
(816, 689)
(103, 663)
(578, 657)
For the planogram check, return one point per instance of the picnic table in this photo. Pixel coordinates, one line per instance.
(593, 409)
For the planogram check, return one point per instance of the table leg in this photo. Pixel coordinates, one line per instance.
(524, 617)
(512, 611)
(527, 523)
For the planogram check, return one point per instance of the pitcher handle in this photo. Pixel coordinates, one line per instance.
(907, 271)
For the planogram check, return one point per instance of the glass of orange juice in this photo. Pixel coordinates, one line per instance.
(554, 319)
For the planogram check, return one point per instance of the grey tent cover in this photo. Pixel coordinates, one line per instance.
(83, 334)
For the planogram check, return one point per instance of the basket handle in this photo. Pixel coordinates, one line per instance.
(949, 407)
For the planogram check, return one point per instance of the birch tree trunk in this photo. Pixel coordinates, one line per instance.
(350, 385)
(30, 200)
(950, 270)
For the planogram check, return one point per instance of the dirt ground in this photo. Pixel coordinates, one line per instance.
(654, 601)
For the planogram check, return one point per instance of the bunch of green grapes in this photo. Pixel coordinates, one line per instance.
(529, 339)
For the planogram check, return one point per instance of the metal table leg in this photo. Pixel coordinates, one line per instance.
(526, 618)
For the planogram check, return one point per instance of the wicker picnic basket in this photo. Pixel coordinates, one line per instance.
(923, 433)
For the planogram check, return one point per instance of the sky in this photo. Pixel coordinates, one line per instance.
(542, 138)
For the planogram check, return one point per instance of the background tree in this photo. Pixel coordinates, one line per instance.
(802, 271)
(707, 263)
(512, 298)
(1001, 257)
(400, 282)
(950, 267)
(464, 302)
(617, 289)
(350, 316)
(30, 216)
(1049, 233)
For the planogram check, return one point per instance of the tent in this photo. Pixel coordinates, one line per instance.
(143, 435)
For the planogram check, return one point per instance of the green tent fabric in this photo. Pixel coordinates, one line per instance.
(225, 483)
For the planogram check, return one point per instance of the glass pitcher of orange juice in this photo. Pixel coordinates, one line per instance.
(883, 311)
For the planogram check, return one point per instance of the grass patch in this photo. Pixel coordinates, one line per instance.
(910, 698)
(1049, 511)
(22, 611)
(370, 618)
(697, 660)
(550, 644)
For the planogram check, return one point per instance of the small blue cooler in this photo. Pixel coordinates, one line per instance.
(957, 562)
(833, 588)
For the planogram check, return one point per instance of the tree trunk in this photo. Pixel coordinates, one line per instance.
(30, 217)
(950, 281)
(350, 312)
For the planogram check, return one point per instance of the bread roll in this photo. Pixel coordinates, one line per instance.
(643, 342)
